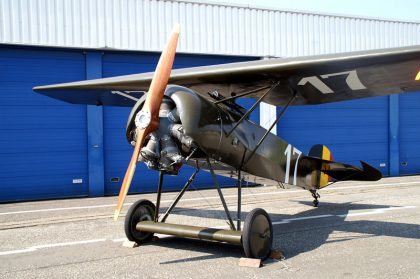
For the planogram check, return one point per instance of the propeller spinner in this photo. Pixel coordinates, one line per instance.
(147, 120)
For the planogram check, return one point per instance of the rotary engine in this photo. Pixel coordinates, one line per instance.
(166, 148)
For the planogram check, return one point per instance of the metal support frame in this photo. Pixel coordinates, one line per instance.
(126, 95)
(279, 116)
(254, 106)
(216, 184)
(242, 94)
(159, 195)
(238, 213)
(179, 196)
(229, 236)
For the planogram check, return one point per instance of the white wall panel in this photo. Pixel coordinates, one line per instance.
(206, 27)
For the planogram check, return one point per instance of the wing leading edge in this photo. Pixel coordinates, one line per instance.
(315, 79)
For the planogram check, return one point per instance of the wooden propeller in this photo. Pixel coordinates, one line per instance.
(149, 115)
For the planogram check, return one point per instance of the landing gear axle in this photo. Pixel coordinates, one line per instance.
(256, 238)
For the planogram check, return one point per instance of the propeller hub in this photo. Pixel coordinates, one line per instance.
(143, 119)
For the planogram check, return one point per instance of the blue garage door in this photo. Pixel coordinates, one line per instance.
(353, 130)
(43, 141)
(117, 151)
(409, 133)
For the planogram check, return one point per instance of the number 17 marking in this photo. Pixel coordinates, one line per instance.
(289, 152)
(352, 80)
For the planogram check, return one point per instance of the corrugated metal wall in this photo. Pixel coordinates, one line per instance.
(206, 27)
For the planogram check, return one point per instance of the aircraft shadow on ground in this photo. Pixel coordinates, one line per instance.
(298, 236)
(213, 250)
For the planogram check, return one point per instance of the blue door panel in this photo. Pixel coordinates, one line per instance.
(352, 130)
(117, 150)
(409, 133)
(42, 140)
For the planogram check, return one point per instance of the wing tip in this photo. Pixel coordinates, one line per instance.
(57, 86)
(38, 88)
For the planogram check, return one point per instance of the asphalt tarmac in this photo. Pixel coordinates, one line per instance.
(360, 230)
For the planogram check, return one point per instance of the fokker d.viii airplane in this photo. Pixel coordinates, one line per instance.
(197, 122)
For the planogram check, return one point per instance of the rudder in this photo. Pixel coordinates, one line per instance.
(319, 178)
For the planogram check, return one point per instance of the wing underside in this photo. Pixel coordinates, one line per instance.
(314, 79)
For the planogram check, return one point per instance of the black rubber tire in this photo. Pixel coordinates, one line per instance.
(141, 210)
(257, 235)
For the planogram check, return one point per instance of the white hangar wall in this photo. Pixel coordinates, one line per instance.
(206, 27)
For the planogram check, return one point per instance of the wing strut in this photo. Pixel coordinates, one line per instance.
(279, 116)
(254, 106)
(244, 94)
(159, 195)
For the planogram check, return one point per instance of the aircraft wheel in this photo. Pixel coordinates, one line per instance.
(257, 236)
(142, 210)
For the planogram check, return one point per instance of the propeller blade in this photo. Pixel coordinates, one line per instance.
(161, 77)
(141, 135)
(150, 111)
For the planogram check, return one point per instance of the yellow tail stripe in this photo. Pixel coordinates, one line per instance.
(324, 178)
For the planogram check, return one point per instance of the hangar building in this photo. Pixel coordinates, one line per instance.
(50, 149)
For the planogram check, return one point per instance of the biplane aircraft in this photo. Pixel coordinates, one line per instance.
(196, 121)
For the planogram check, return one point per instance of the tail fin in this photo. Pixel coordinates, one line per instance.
(320, 178)
(324, 170)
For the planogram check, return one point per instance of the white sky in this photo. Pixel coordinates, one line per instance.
(408, 10)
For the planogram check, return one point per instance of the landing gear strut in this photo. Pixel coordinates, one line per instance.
(316, 196)
(256, 238)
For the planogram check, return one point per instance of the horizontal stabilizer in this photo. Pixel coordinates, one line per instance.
(339, 171)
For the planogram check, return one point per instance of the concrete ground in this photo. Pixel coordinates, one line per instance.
(360, 230)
